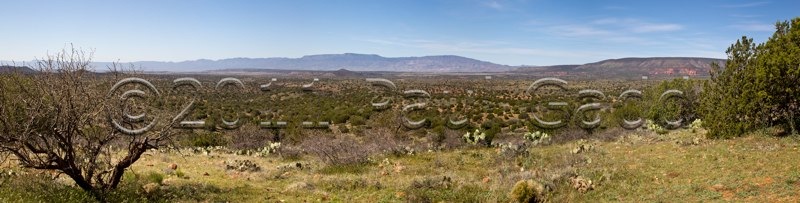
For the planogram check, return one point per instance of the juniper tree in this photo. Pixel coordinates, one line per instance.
(758, 85)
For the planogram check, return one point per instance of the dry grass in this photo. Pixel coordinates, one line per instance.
(637, 167)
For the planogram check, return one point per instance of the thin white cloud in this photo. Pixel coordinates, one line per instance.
(744, 5)
(625, 32)
(615, 30)
(638, 26)
(642, 28)
(579, 31)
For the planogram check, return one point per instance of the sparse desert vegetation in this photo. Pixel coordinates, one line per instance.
(637, 166)
(65, 137)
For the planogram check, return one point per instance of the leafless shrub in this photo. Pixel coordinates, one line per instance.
(336, 150)
(56, 119)
(382, 141)
(511, 150)
(247, 137)
(290, 152)
(452, 139)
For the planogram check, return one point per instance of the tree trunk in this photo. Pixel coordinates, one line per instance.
(85, 185)
(792, 124)
(126, 162)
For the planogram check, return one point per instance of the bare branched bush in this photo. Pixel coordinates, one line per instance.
(57, 119)
(340, 150)
(248, 137)
(452, 139)
(290, 152)
(383, 141)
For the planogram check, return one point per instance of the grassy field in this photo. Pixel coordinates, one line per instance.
(637, 166)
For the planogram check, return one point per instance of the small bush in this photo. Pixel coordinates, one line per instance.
(510, 151)
(357, 120)
(180, 174)
(793, 178)
(452, 139)
(527, 191)
(491, 130)
(385, 142)
(340, 150)
(204, 140)
(248, 137)
(154, 177)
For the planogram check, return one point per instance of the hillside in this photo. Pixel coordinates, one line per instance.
(652, 66)
(656, 66)
(20, 69)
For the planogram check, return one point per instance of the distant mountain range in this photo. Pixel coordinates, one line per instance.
(16, 69)
(332, 62)
(655, 66)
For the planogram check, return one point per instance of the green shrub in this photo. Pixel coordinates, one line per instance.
(491, 129)
(154, 177)
(757, 86)
(527, 191)
(660, 110)
(180, 174)
(357, 120)
(204, 139)
(341, 118)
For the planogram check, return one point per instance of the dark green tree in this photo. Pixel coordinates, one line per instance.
(779, 71)
(757, 87)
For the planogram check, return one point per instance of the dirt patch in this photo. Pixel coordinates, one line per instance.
(764, 182)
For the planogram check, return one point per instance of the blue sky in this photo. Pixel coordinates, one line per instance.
(513, 32)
